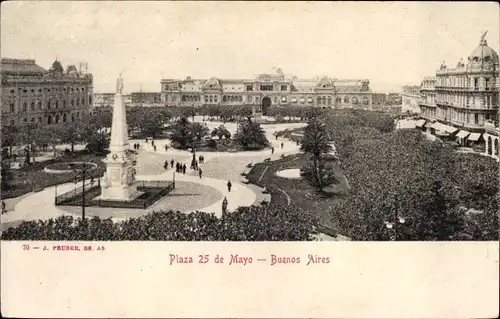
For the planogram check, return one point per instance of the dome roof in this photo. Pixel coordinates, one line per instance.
(483, 56)
(212, 83)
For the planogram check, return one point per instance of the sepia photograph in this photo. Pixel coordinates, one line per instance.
(218, 121)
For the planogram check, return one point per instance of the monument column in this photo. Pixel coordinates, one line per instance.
(118, 183)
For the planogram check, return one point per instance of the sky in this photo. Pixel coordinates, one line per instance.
(391, 44)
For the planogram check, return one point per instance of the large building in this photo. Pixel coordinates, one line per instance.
(146, 98)
(410, 98)
(32, 94)
(379, 99)
(267, 90)
(463, 101)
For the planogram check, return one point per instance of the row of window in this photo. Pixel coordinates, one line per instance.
(267, 87)
(13, 91)
(465, 82)
(52, 119)
(50, 104)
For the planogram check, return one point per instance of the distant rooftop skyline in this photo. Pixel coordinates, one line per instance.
(391, 44)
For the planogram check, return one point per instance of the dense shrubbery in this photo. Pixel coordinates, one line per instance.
(401, 174)
(256, 223)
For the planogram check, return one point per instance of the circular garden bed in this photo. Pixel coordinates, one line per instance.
(68, 167)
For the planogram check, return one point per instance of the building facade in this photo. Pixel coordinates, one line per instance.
(103, 99)
(146, 98)
(266, 90)
(32, 94)
(410, 99)
(379, 98)
(465, 99)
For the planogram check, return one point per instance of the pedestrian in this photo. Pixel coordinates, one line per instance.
(153, 142)
(203, 158)
(146, 140)
(200, 172)
(272, 150)
(154, 147)
(196, 165)
(224, 205)
(177, 167)
(166, 147)
(199, 158)
(276, 136)
(229, 186)
(165, 165)
(281, 145)
(3, 208)
(184, 167)
(172, 163)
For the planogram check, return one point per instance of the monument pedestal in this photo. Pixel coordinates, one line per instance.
(118, 182)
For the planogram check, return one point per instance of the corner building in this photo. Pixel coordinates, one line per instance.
(267, 90)
(463, 101)
(32, 94)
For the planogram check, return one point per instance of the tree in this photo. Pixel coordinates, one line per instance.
(198, 131)
(315, 142)
(181, 132)
(251, 136)
(221, 132)
(71, 133)
(6, 175)
(95, 131)
(152, 123)
(9, 134)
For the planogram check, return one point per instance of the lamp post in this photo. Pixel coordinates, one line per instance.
(83, 173)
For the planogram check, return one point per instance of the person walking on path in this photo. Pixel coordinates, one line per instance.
(200, 172)
(281, 145)
(272, 150)
(3, 208)
(166, 147)
(224, 205)
(229, 186)
(146, 140)
(184, 169)
(172, 163)
(177, 167)
(199, 159)
(165, 166)
(154, 147)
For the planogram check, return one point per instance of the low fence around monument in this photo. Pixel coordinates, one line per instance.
(152, 192)
(68, 196)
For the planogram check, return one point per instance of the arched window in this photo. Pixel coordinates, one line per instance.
(39, 120)
(77, 102)
(72, 117)
(211, 99)
(32, 120)
(240, 98)
(83, 101)
(490, 142)
(39, 105)
(224, 98)
(323, 100)
(32, 106)
(49, 106)
(64, 117)
(57, 118)
(25, 106)
(338, 99)
(64, 103)
(354, 100)
(57, 104)
(49, 120)
(72, 102)
(319, 100)
(346, 99)
(215, 98)
(496, 146)
(90, 99)
(329, 100)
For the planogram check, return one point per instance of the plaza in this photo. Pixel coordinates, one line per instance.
(191, 193)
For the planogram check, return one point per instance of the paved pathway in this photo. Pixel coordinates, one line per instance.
(219, 167)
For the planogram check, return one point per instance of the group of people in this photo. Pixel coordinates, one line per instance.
(137, 146)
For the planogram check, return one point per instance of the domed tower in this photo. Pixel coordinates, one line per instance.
(483, 57)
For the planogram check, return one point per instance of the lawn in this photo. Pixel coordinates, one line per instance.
(34, 178)
(292, 191)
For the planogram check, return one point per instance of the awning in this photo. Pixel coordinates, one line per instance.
(462, 134)
(449, 129)
(420, 123)
(474, 137)
(436, 125)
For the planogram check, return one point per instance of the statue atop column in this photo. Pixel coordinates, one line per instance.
(119, 85)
